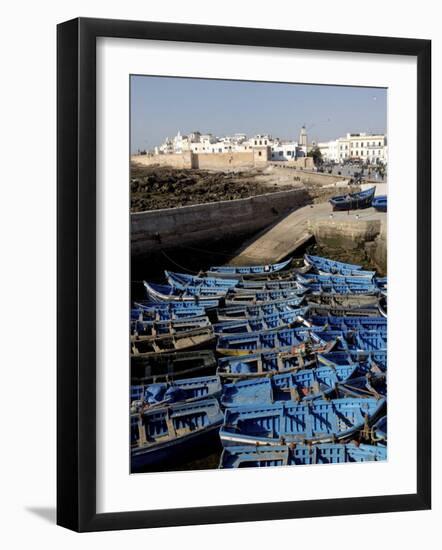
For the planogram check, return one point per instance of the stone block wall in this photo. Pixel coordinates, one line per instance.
(168, 228)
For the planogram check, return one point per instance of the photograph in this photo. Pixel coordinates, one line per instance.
(258, 315)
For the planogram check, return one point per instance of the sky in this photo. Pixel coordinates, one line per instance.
(162, 106)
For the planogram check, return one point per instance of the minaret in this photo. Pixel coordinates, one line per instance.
(303, 137)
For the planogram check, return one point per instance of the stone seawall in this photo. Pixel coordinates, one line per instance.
(168, 228)
(361, 238)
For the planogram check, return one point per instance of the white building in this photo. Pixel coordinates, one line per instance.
(208, 143)
(369, 148)
(285, 150)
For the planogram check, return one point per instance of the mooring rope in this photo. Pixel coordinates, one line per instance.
(178, 265)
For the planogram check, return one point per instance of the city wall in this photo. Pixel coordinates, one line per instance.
(207, 161)
(177, 160)
(213, 161)
(168, 228)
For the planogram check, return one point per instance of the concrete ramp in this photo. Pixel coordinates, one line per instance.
(282, 239)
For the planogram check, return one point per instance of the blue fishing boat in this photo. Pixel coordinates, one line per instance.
(380, 203)
(326, 266)
(166, 312)
(368, 361)
(348, 323)
(368, 385)
(352, 301)
(178, 391)
(253, 342)
(352, 340)
(282, 455)
(166, 343)
(301, 385)
(271, 321)
(382, 283)
(165, 367)
(371, 340)
(251, 269)
(333, 288)
(269, 363)
(156, 328)
(308, 421)
(198, 295)
(379, 430)
(235, 297)
(287, 284)
(247, 311)
(334, 279)
(183, 280)
(353, 201)
(165, 434)
(323, 310)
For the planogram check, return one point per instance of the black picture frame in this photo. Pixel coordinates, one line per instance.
(76, 273)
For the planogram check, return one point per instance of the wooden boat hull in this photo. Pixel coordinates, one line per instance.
(353, 201)
(272, 321)
(163, 435)
(149, 345)
(186, 390)
(380, 203)
(246, 311)
(183, 280)
(344, 300)
(314, 422)
(247, 270)
(172, 454)
(171, 366)
(302, 385)
(153, 329)
(283, 455)
(325, 266)
(166, 294)
(168, 313)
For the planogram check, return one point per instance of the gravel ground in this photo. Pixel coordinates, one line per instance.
(155, 187)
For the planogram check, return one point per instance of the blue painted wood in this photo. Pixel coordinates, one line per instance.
(349, 323)
(306, 384)
(166, 311)
(170, 430)
(307, 278)
(262, 364)
(184, 390)
(166, 293)
(345, 288)
(271, 321)
(167, 367)
(326, 266)
(353, 201)
(283, 455)
(280, 340)
(156, 328)
(252, 296)
(368, 361)
(246, 270)
(184, 280)
(246, 311)
(287, 422)
(379, 430)
(380, 203)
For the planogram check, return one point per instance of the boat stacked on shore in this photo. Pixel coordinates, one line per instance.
(273, 364)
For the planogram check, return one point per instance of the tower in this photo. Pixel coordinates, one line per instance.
(303, 137)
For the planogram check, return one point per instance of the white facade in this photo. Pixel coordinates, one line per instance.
(208, 143)
(370, 148)
(284, 150)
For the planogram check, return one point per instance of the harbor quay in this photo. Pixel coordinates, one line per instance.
(287, 210)
(258, 281)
